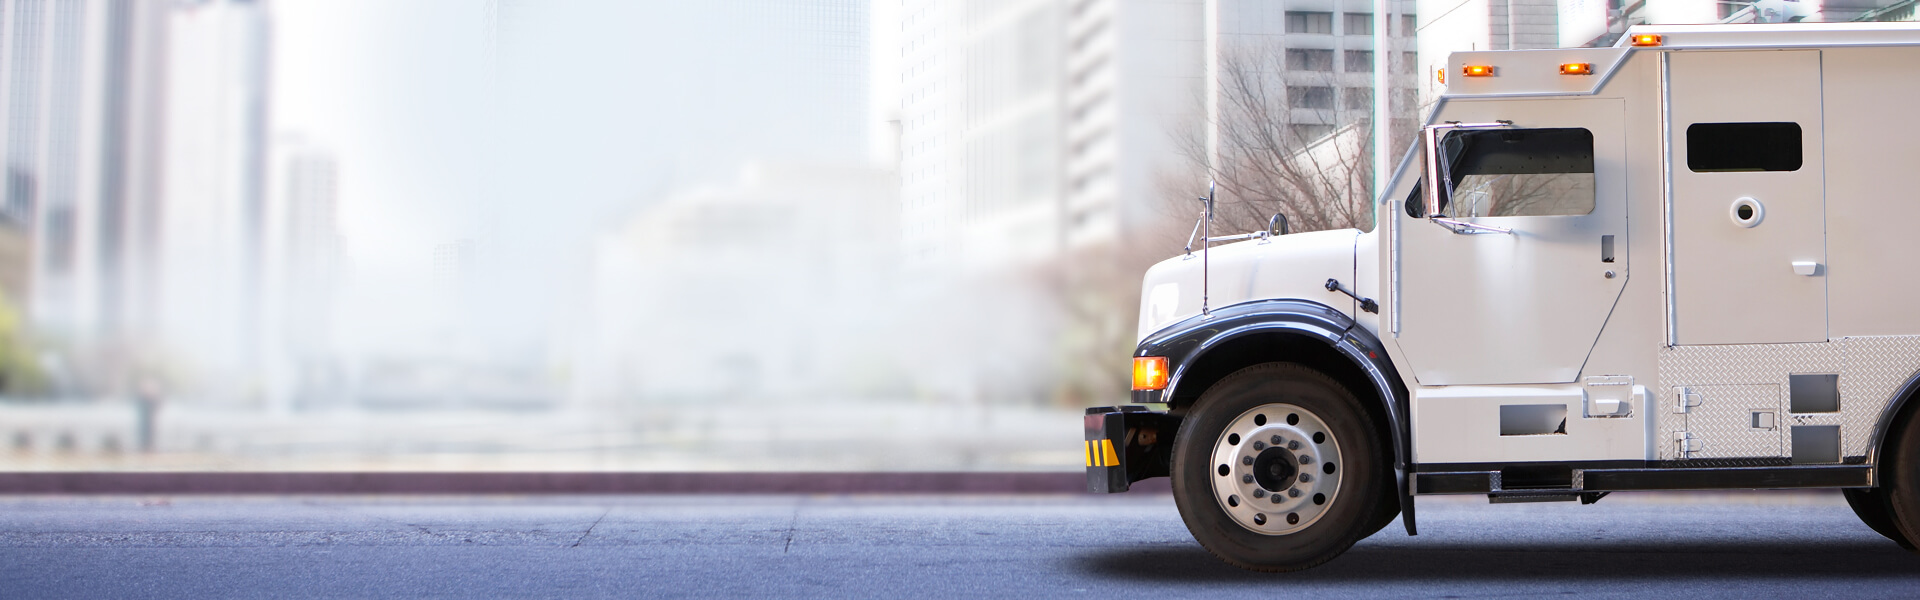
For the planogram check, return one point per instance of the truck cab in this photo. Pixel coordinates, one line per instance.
(1676, 263)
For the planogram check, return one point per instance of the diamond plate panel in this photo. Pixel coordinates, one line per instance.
(1876, 367)
(1723, 421)
(1738, 365)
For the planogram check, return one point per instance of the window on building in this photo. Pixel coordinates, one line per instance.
(1519, 172)
(1309, 132)
(1310, 96)
(1309, 60)
(1359, 23)
(1408, 24)
(1409, 64)
(1405, 98)
(1737, 147)
(1359, 98)
(1359, 61)
(1309, 22)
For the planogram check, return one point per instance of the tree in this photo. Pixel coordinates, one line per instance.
(19, 366)
(1275, 156)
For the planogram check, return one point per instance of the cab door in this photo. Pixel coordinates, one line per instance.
(1524, 307)
(1749, 226)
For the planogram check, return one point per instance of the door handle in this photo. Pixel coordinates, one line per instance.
(1806, 267)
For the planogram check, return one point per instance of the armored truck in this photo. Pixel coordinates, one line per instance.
(1682, 262)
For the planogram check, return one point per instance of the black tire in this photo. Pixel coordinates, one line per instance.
(1389, 510)
(1871, 505)
(1899, 489)
(1353, 490)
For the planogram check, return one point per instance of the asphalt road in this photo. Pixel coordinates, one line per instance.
(1128, 546)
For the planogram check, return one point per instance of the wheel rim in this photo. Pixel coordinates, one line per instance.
(1276, 487)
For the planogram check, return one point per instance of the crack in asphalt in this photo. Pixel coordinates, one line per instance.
(792, 522)
(596, 523)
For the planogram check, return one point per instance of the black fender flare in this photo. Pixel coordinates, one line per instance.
(1187, 342)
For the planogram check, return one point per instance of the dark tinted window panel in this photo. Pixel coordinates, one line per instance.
(1743, 147)
(1519, 172)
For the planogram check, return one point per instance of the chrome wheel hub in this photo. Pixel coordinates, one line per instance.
(1276, 469)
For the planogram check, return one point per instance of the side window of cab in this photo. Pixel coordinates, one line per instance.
(1518, 172)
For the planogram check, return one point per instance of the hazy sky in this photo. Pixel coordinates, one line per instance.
(531, 138)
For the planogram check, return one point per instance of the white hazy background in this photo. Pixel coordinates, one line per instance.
(560, 235)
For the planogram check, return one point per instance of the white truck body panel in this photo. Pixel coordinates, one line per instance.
(1522, 308)
(1736, 318)
(1736, 284)
(1290, 266)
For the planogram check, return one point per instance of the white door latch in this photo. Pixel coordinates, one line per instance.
(1806, 267)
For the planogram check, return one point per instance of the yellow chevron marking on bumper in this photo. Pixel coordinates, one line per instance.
(1112, 460)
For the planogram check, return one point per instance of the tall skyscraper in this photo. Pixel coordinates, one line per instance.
(303, 273)
(1135, 85)
(212, 228)
(81, 84)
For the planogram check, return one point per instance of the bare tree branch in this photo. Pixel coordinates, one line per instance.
(1280, 154)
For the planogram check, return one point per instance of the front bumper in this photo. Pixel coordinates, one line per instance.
(1125, 444)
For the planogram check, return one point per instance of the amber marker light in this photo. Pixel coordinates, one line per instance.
(1441, 74)
(1646, 39)
(1150, 373)
(1477, 70)
(1576, 69)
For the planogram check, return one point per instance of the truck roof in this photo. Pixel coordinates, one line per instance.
(1539, 72)
(1778, 35)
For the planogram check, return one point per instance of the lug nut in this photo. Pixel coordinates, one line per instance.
(1304, 459)
(1277, 440)
(1275, 498)
(1257, 446)
(1246, 479)
(1259, 493)
(1292, 493)
(1305, 478)
(1248, 460)
(1293, 445)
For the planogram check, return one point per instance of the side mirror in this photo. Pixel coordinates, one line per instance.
(1430, 188)
(1277, 225)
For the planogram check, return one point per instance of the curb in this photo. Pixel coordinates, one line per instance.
(551, 483)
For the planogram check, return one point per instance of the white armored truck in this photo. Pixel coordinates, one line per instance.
(1684, 262)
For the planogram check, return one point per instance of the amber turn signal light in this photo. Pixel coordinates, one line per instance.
(1477, 70)
(1150, 373)
(1576, 69)
(1646, 39)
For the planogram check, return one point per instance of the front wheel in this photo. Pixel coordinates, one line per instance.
(1279, 468)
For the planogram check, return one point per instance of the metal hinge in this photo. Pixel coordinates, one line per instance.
(1685, 399)
(1685, 444)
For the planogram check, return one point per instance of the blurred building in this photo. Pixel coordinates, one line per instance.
(212, 232)
(1031, 128)
(303, 272)
(772, 286)
(82, 86)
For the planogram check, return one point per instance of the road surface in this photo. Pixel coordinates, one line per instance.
(1037, 546)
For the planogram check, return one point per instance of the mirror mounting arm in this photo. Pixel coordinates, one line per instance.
(1466, 228)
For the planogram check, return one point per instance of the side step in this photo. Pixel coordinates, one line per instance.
(1673, 479)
